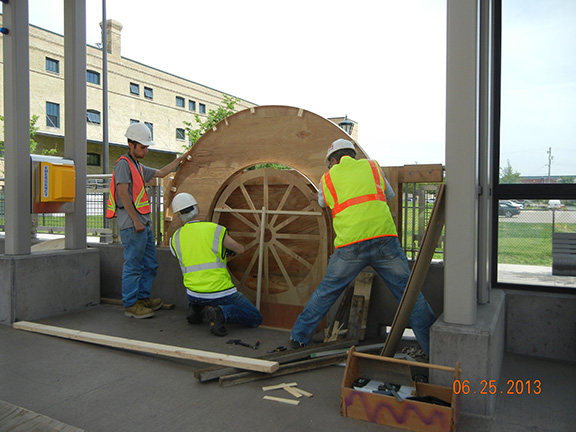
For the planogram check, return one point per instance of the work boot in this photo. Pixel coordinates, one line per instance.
(294, 344)
(138, 310)
(153, 304)
(217, 320)
(194, 315)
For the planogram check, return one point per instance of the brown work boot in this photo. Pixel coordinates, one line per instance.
(153, 304)
(139, 311)
(217, 320)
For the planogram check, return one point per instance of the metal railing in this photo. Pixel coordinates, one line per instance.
(98, 228)
(418, 200)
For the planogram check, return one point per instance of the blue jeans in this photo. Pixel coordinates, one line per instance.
(237, 309)
(386, 256)
(140, 264)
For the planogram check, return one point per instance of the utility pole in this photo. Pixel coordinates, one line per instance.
(550, 157)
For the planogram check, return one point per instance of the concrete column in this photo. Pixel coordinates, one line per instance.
(461, 162)
(17, 127)
(75, 115)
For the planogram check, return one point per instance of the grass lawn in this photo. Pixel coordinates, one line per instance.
(527, 243)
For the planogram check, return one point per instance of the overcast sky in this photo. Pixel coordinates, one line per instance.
(381, 62)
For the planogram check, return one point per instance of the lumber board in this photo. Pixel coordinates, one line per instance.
(283, 400)
(363, 287)
(418, 275)
(279, 386)
(284, 369)
(282, 357)
(151, 348)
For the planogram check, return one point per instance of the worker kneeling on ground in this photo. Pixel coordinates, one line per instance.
(201, 249)
(357, 192)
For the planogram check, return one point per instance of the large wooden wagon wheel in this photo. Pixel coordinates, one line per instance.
(285, 235)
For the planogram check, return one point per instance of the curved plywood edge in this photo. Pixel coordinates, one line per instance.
(266, 134)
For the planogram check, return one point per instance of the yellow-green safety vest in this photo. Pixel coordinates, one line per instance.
(355, 191)
(201, 253)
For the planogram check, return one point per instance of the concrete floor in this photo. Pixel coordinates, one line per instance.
(101, 389)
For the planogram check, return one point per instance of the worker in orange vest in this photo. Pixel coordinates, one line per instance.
(357, 192)
(128, 202)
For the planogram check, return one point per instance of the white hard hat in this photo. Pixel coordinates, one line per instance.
(183, 201)
(339, 144)
(141, 133)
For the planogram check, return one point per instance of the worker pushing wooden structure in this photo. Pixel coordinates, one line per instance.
(288, 237)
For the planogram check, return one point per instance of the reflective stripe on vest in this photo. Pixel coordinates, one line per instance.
(203, 266)
(139, 196)
(355, 191)
(200, 252)
(378, 196)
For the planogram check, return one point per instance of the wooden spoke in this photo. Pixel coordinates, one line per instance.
(293, 239)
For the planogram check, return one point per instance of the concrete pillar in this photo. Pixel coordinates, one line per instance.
(17, 127)
(460, 276)
(75, 115)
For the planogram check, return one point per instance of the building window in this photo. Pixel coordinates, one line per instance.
(192, 105)
(93, 77)
(135, 89)
(180, 134)
(93, 159)
(52, 65)
(52, 114)
(202, 108)
(132, 121)
(151, 127)
(148, 93)
(93, 116)
(179, 102)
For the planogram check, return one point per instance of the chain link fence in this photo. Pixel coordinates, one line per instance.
(525, 229)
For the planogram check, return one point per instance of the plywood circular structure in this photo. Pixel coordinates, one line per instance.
(288, 248)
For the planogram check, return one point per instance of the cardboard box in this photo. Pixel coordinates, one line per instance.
(387, 410)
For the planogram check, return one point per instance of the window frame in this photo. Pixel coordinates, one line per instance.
(92, 73)
(134, 89)
(55, 62)
(55, 116)
(508, 191)
(149, 93)
(94, 113)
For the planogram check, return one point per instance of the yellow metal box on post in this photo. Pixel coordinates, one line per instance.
(53, 184)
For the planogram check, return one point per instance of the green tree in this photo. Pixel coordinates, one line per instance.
(33, 132)
(508, 175)
(567, 179)
(225, 109)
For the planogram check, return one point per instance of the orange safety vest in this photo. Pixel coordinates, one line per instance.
(355, 191)
(139, 196)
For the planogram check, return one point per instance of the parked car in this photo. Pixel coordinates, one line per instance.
(515, 203)
(554, 204)
(507, 210)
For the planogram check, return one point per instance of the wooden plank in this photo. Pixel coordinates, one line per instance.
(293, 392)
(282, 357)
(355, 318)
(432, 173)
(283, 400)
(417, 276)
(363, 287)
(303, 392)
(149, 347)
(279, 386)
(285, 369)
